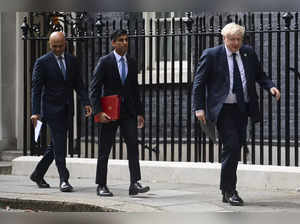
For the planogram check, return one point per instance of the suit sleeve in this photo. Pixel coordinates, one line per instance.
(80, 88)
(199, 85)
(37, 85)
(140, 107)
(96, 84)
(261, 78)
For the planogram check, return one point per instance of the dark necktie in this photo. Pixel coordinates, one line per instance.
(237, 88)
(62, 66)
(123, 71)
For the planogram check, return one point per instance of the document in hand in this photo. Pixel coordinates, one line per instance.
(111, 106)
(209, 130)
(37, 130)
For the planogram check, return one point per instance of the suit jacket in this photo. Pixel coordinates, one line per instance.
(211, 81)
(51, 94)
(106, 81)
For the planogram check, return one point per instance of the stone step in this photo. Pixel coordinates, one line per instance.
(5, 168)
(9, 155)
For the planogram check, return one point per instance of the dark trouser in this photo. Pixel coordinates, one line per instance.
(128, 129)
(57, 151)
(232, 127)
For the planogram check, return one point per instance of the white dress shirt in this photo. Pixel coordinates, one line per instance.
(231, 98)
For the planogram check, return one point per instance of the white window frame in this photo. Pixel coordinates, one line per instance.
(153, 15)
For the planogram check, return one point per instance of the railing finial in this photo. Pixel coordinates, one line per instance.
(99, 24)
(287, 18)
(24, 28)
(189, 22)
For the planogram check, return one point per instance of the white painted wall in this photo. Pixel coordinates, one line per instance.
(7, 81)
(19, 77)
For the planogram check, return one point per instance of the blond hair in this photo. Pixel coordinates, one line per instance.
(232, 29)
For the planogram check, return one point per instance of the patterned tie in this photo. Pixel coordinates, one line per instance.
(123, 72)
(62, 66)
(237, 88)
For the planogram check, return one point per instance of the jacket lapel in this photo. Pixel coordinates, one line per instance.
(68, 63)
(245, 61)
(224, 62)
(115, 69)
(244, 56)
(129, 67)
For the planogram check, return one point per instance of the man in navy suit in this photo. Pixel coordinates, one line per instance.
(225, 82)
(55, 76)
(116, 73)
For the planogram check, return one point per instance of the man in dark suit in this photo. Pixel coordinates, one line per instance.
(116, 73)
(55, 76)
(225, 82)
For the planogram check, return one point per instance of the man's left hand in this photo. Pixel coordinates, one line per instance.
(88, 110)
(275, 92)
(140, 120)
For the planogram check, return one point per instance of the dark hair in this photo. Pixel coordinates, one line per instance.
(117, 33)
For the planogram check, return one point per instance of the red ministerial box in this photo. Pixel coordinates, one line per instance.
(111, 106)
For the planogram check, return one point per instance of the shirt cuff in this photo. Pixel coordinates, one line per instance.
(197, 111)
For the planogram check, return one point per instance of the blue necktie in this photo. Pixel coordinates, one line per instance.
(62, 66)
(237, 88)
(123, 71)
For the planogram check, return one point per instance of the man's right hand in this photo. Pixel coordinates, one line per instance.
(34, 119)
(104, 118)
(200, 114)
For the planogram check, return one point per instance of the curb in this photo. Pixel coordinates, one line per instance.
(266, 177)
(51, 206)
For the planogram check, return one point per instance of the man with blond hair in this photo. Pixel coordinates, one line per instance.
(224, 93)
(55, 75)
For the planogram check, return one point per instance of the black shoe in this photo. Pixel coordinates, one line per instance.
(232, 198)
(41, 183)
(236, 195)
(65, 187)
(136, 188)
(103, 191)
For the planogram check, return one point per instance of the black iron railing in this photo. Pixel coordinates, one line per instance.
(167, 51)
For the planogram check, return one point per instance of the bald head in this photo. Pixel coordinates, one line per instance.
(57, 43)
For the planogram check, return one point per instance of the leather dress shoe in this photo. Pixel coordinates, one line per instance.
(41, 183)
(65, 187)
(232, 198)
(136, 188)
(103, 191)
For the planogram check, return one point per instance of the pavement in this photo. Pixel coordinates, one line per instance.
(21, 193)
